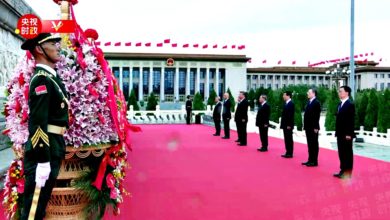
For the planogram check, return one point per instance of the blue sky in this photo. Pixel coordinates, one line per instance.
(287, 30)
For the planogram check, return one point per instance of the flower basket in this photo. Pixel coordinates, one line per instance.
(66, 203)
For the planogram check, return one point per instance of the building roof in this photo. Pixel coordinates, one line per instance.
(286, 69)
(177, 57)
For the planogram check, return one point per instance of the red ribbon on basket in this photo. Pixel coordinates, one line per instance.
(107, 160)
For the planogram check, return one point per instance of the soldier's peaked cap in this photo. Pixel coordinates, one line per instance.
(40, 39)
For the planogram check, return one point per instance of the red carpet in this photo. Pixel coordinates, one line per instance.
(182, 172)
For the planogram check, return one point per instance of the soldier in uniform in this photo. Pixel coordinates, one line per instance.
(48, 120)
(188, 109)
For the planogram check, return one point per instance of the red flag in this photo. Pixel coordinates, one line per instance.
(185, 45)
(279, 62)
(205, 46)
(233, 46)
(174, 45)
(159, 44)
(365, 60)
(167, 41)
(117, 44)
(294, 62)
(128, 44)
(196, 45)
(264, 61)
(347, 58)
(366, 54)
(372, 53)
(224, 47)
(356, 56)
(97, 43)
(241, 47)
(148, 44)
(361, 55)
(380, 60)
(215, 46)
(138, 44)
(107, 44)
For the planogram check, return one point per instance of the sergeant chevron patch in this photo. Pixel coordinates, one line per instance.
(39, 90)
(39, 135)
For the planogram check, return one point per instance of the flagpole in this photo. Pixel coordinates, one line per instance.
(352, 57)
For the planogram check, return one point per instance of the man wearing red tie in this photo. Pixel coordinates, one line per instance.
(345, 132)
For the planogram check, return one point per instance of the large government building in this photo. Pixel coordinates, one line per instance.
(171, 77)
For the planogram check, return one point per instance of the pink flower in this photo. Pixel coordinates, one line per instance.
(110, 180)
(113, 193)
(20, 185)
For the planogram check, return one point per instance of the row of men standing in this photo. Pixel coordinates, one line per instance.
(344, 125)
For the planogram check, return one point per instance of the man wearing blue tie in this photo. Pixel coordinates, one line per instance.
(345, 132)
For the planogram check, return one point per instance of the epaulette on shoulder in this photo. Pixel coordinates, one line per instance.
(39, 73)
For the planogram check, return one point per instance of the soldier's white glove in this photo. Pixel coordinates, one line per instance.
(42, 174)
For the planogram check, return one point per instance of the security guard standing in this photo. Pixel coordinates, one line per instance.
(48, 120)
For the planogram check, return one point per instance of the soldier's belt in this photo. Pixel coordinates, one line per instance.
(56, 129)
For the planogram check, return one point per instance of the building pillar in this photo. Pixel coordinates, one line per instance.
(176, 85)
(150, 80)
(141, 85)
(130, 79)
(197, 80)
(162, 85)
(121, 76)
(206, 84)
(188, 81)
(216, 82)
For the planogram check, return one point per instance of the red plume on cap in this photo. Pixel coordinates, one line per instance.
(73, 2)
(91, 33)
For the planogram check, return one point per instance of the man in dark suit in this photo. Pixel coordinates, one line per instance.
(226, 115)
(217, 116)
(345, 132)
(241, 118)
(262, 121)
(312, 126)
(188, 109)
(287, 124)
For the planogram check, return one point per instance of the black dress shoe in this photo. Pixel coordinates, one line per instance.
(287, 156)
(242, 145)
(263, 149)
(312, 164)
(305, 163)
(225, 137)
(238, 140)
(215, 134)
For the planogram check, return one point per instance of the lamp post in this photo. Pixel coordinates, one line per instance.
(338, 73)
(352, 58)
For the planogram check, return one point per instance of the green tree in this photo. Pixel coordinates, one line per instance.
(371, 118)
(361, 106)
(152, 102)
(333, 101)
(211, 99)
(275, 100)
(133, 101)
(251, 99)
(231, 98)
(298, 116)
(322, 97)
(198, 102)
(384, 112)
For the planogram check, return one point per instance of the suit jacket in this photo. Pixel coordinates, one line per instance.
(262, 117)
(312, 115)
(226, 114)
(345, 119)
(188, 105)
(288, 116)
(217, 111)
(242, 111)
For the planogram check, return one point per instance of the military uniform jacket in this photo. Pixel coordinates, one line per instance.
(48, 104)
